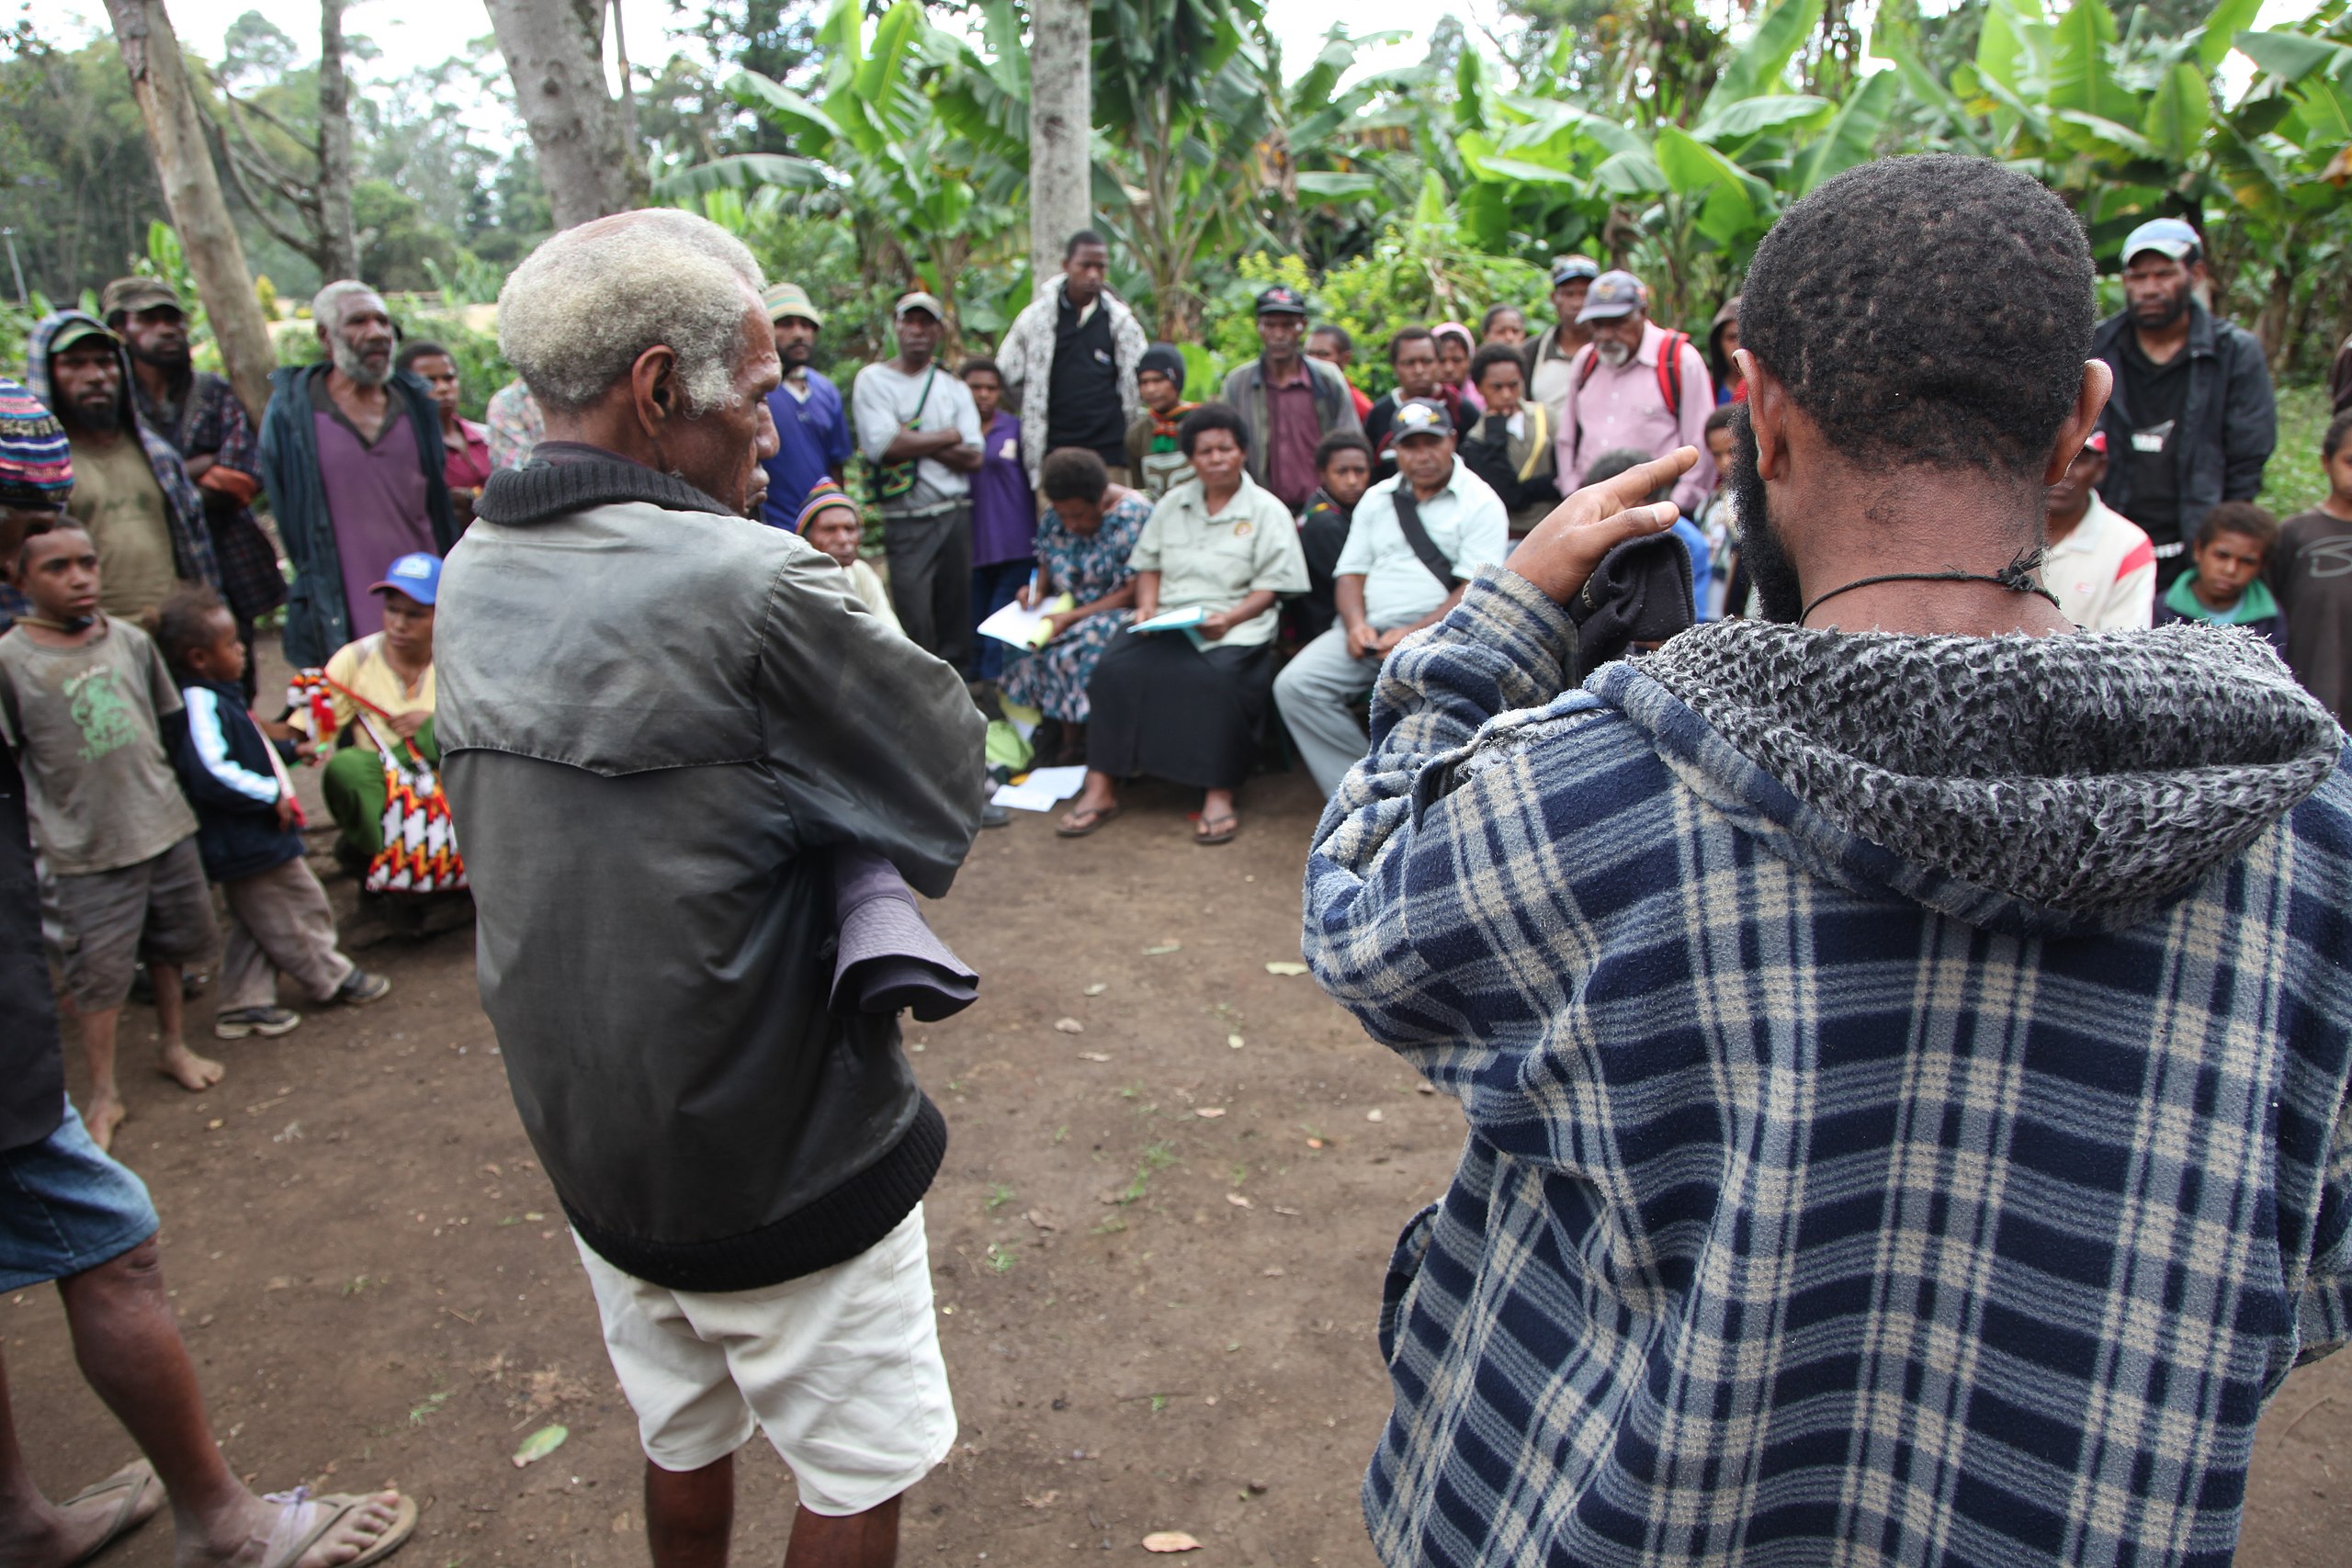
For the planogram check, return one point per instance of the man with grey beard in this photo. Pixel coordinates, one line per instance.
(1636, 385)
(351, 455)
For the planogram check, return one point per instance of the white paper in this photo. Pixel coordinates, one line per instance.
(1041, 789)
(1169, 620)
(1019, 626)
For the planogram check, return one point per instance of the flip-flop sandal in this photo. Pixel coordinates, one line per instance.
(142, 1497)
(1214, 834)
(1068, 827)
(334, 1509)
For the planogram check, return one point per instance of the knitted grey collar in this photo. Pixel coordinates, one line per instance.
(539, 491)
(2076, 772)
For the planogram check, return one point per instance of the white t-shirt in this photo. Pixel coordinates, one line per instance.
(884, 401)
(1466, 521)
(2104, 572)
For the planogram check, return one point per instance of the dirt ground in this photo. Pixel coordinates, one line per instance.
(1158, 1243)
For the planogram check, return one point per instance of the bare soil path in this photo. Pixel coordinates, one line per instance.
(1158, 1245)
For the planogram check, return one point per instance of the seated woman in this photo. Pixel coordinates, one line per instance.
(1083, 541)
(1189, 706)
(381, 686)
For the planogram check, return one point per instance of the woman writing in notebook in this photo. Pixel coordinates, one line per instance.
(1186, 699)
(1089, 528)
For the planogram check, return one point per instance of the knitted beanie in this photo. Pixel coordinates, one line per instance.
(36, 463)
(1166, 359)
(821, 494)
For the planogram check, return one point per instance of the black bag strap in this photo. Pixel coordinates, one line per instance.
(1408, 518)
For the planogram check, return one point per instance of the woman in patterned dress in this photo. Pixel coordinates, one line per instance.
(1084, 540)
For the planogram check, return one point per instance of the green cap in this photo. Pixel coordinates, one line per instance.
(80, 330)
(790, 299)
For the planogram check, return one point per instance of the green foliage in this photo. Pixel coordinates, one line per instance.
(2293, 482)
(471, 341)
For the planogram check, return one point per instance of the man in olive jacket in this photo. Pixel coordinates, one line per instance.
(657, 717)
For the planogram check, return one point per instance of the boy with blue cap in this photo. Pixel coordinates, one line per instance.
(387, 675)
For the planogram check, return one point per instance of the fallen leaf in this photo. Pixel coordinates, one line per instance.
(1209, 1112)
(1279, 1210)
(279, 1282)
(1238, 1202)
(1155, 952)
(214, 1125)
(1314, 1143)
(1092, 1056)
(1070, 1026)
(1425, 1086)
(1042, 1499)
(540, 1444)
(1037, 1217)
(1373, 1116)
(1287, 967)
(1097, 988)
(1234, 1042)
(1170, 1541)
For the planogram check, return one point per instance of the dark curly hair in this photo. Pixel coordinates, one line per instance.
(1931, 311)
(1073, 473)
(1208, 417)
(184, 621)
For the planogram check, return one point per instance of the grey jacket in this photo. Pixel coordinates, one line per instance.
(1245, 389)
(653, 712)
(2228, 425)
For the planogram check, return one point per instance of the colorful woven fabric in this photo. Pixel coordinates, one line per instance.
(420, 853)
(36, 462)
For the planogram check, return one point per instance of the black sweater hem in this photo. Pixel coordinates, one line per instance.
(834, 1229)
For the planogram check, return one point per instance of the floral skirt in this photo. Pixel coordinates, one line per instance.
(1053, 678)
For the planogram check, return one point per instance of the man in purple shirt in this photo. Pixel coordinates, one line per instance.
(1289, 402)
(351, 455)
(1004, 513)
(1618, 387)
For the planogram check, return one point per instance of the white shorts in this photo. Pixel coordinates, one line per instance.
(840, 1368)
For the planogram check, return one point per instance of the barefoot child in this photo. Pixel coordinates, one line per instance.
(247, 830)
(84, 701)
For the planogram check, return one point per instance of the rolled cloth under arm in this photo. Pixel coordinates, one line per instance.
(889, 958)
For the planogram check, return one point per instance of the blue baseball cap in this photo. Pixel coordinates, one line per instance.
(417, 575)
(2169, 237)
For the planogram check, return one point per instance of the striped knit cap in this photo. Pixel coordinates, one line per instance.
(821, 494)
(36, 463)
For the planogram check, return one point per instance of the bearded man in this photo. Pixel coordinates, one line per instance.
(130, 490)
(351, 453)
(2192, 420)
(198, 413)
(1635, 387)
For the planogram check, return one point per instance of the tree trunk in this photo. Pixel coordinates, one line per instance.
(1061, 113)
(150, 53)
(554, 49)
(338, 236)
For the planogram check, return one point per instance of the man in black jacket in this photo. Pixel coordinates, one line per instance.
(657, 721)
(2192, 422)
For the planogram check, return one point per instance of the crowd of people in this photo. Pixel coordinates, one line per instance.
(1290, 568)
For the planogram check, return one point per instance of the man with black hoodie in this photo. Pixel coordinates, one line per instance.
(1905, 1043)
(658, 721)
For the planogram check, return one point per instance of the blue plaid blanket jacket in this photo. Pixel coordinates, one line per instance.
(1817, 1208)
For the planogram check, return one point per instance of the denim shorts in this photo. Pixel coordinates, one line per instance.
(66, 1206)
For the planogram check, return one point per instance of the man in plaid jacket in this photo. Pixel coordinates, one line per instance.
(1903, 1042)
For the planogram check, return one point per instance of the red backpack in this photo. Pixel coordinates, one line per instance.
(1669, 378)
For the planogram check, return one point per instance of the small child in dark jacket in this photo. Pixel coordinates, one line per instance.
(2226, 588)
(247, 830)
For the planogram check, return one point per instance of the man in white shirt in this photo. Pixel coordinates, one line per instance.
(916, 420)
(1389, 584)
(2101, 565)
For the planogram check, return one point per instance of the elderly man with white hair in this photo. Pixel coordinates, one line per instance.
(660, 721)
(351, 456)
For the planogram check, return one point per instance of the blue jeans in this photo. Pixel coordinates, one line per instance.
(66, 1207)
(993, 586)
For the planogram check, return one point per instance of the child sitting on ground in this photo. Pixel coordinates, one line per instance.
(2224, 586)
(390, 674)
(87, 705)
(248, 832)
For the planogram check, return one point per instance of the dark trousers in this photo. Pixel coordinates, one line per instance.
(931, 580)
(993, 587)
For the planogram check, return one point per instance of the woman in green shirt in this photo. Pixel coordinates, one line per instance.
(1189, 704)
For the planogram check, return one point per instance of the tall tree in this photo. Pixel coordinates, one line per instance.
(555, 50)
(339, 236)
(150, 53)
(286, 140)
(1061, 111)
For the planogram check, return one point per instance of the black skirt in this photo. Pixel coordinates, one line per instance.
(1191, 715)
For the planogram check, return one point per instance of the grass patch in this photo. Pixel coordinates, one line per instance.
(2292, 483)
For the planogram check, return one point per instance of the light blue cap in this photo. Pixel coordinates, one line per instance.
(2167, 237)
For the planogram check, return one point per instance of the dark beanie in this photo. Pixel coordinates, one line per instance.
(1165, 359)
